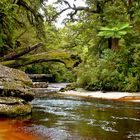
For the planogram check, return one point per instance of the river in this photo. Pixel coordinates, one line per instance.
(57, 117)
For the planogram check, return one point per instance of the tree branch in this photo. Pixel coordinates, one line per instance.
(28, 8)
(75, 10)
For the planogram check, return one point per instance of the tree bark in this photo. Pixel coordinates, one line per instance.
(110, 42)
(20, 52)
(115, 44)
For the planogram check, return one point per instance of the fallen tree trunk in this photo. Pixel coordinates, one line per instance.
(20, 52)
(66, 58)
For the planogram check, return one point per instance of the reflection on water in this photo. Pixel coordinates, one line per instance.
(10, 130)
(72, 118)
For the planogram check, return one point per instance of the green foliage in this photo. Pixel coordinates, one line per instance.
(113, 71)
(7, 23)
(102, 69)
(15, 17)
(115, 32)
(59, 71)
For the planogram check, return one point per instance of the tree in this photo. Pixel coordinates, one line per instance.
(115, 33)
(22, 26)
(17, 14)
(95, 24)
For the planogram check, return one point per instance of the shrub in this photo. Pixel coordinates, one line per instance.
(113, 71)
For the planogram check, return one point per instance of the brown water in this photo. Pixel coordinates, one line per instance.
(11, 129)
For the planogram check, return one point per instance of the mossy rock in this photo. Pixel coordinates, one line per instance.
(12, 107)
(16, 89)
(15, 83)
(11, 100)
(14, 74)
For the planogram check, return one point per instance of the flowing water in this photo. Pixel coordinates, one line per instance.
(58, 117)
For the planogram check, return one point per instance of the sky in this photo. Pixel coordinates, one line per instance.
(77, 2)
(63, 15)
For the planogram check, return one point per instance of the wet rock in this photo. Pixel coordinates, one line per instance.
(41, 77)
(68, 87)
(12, 107)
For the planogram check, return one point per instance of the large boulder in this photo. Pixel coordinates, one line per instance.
(14, 74)
(15, 83)
(15, 92)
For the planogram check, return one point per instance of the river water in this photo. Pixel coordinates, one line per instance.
(57, 117)
(60, 117)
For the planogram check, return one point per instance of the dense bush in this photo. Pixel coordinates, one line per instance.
(59, 72)
(113, 70)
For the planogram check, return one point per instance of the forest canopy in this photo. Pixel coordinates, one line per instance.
(104, 34)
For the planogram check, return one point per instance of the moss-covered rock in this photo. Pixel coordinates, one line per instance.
(14, 74)
(15, 83)
(14, 92)
(12, 107)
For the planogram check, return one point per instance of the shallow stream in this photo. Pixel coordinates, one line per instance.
(58, 117)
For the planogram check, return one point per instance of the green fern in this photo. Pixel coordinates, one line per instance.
(115, 32)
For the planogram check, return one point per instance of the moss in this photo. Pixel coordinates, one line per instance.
(14, 74)
(11, 100)
(20, 107)
(17, 89)
(65, 57)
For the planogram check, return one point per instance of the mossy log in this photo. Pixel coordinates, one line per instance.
(64, 57)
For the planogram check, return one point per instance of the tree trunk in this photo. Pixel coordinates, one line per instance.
(64, 57)
(110, 42)
(129, 3)
(115, 44)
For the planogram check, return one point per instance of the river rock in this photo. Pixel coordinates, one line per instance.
(40, 84)
(15, 83)
(14, 74)
(15, 92)
(12, 107)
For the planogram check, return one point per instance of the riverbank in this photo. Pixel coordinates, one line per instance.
(119, 96)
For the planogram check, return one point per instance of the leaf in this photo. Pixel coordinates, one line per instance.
(125, 26)
(106, 29)
(121, 33)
